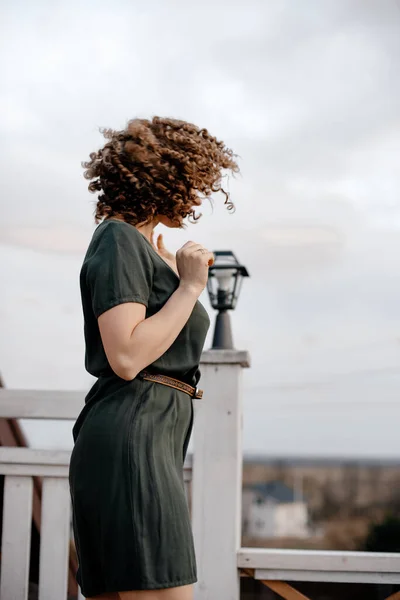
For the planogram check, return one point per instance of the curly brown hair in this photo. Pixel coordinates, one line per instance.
(157, 167)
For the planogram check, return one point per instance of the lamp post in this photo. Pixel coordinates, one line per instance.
(218, 443)
(225, 278)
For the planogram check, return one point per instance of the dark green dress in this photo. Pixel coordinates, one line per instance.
(130, 516)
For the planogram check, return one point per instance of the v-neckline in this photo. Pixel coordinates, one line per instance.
(148, 242)
(156, 253)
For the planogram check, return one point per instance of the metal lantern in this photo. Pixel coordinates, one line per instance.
(225, 278)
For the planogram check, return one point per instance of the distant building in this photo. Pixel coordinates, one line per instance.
(272, 510)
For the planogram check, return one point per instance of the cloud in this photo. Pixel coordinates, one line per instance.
(307, 94)
(57, 239)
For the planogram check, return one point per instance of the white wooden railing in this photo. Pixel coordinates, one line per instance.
(215, 490)
(19, 465)
(276, 567)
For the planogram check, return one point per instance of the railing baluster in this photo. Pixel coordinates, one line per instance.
(16, 537)
(55, 534)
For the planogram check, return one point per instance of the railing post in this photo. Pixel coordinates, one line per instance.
(217, 475)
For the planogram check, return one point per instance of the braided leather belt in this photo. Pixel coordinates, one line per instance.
(193, 392)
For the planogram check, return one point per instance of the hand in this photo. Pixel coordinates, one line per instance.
(162, 251)
(193, 261)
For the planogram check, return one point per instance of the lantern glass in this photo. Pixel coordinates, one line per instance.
(225, 273)
(224, 280)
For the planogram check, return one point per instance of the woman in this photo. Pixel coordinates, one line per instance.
(144, 332)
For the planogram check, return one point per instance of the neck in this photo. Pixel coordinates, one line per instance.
(147, 229)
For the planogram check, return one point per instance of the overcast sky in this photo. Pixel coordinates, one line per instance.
(308, 95)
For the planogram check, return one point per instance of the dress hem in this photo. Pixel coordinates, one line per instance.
(140, 587)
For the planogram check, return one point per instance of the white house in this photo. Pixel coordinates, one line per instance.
(273, 509)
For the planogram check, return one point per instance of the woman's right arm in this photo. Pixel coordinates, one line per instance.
(132, 342)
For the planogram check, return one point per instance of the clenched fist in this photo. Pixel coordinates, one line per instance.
(192, 261)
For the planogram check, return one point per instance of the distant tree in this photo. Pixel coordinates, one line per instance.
(384, 536)
(329, 503)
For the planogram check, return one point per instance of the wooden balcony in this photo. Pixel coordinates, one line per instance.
(279, 570)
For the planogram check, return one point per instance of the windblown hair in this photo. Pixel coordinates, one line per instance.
(157, 167)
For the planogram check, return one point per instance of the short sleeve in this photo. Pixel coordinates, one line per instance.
(119, 268)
